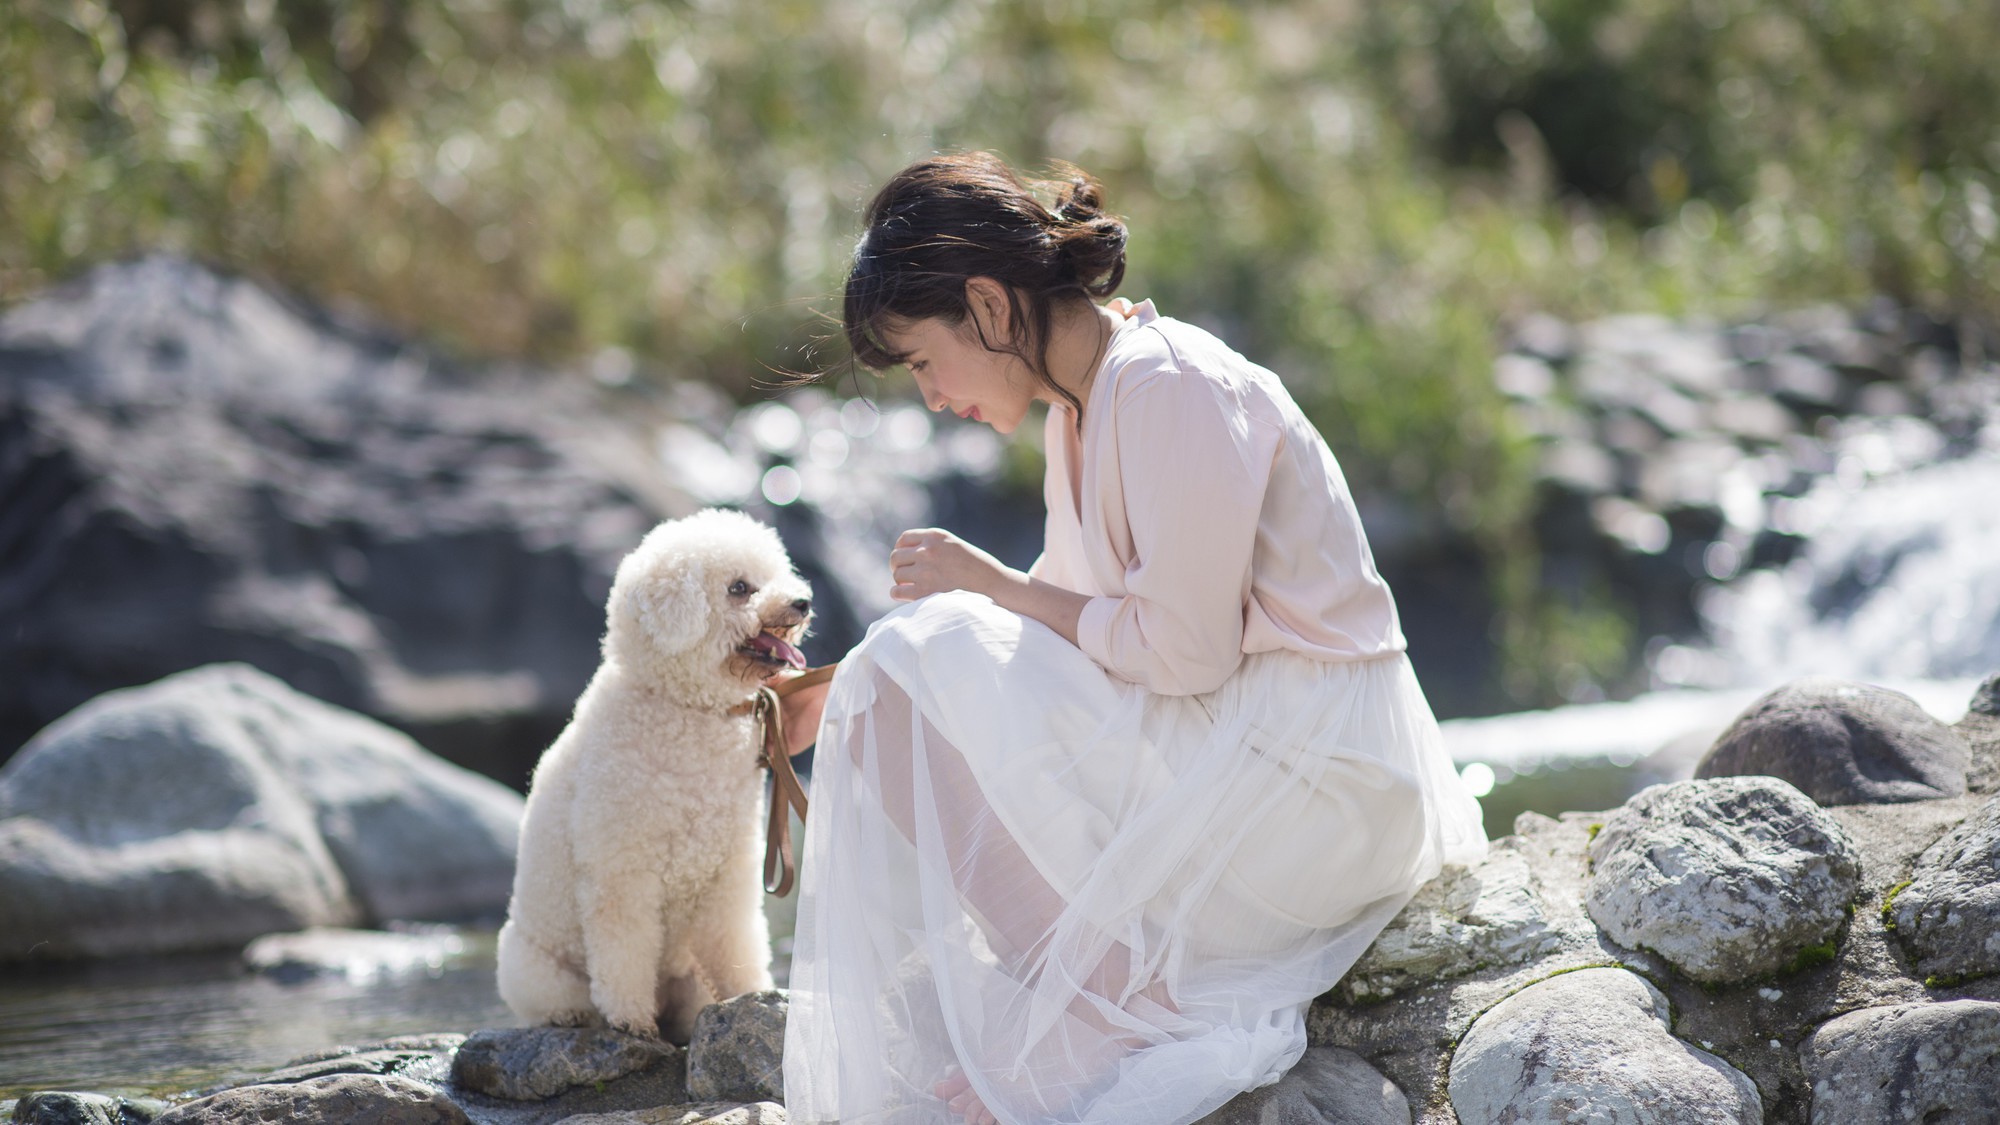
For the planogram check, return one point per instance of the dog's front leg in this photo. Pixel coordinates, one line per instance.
(622, 943)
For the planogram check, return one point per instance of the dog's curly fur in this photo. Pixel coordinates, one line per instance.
(637, 897)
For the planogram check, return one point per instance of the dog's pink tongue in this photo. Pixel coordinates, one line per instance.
(780, 647)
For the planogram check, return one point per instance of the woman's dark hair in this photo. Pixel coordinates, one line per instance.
(942, 221)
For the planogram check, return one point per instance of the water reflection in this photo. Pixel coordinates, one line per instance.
(170, 1024)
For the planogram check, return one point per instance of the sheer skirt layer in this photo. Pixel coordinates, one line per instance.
(1100, 904)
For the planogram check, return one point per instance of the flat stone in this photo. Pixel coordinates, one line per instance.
(1726, 878)
(340, 1099)
(1948, 916)
(1328, 1086)
(63, 1107)
(1906, 1063)
(1465, 919)
(703, 1113)
(356, 1062)
(1592, 1045)
(1843, 743)
(533, 1063)
(737, 1052)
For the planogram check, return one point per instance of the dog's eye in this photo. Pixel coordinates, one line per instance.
(739, 589)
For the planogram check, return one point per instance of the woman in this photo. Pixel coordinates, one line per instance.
(1087, 840)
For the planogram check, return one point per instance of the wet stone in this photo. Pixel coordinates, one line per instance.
(1727, 878)
(1592, 1045)
(738, 1048)
(533, 1063)
(62, 1107)
(1906, 1062)
(1843, 743)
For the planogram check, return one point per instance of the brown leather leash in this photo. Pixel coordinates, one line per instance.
(786, 792)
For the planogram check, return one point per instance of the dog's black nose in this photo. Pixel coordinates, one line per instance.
(803, 605)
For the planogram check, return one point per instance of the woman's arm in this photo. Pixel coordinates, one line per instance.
(931, 560)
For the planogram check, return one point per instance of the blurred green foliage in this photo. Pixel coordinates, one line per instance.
(1359, 195)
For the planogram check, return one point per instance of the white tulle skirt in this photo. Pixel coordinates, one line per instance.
(1097, 903)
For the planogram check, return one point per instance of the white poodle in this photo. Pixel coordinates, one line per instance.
(637, 897)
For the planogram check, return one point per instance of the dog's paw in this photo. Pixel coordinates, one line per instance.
(644, 1029)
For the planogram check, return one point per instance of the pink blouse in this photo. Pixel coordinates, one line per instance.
(1205, 517)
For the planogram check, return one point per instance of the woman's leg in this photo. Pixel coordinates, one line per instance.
(926, 785)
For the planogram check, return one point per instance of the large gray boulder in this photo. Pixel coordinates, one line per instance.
(219, 805)
(1948, 915)
(1907, 1062)
(1728, 878)
(1843, 743)
(200, 470)
(1592, 1045)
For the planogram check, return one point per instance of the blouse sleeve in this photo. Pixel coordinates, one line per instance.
(1193, 464)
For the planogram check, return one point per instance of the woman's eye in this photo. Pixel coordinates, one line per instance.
(739, 588)
(918, 366)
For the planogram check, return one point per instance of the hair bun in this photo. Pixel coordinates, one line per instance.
(1080, 199)
(1090, 241)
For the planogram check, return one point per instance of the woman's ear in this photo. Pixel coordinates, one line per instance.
(992, 311)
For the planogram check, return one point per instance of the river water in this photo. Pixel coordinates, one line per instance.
(165, 1025)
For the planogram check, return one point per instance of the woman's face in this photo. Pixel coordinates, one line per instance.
(955, 372)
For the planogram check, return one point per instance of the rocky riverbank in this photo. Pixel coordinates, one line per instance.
(202, 470)
(1803, 932)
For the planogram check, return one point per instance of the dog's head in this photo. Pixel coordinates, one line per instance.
(710, 604)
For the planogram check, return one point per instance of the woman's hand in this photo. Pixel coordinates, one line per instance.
(800, 710)
(930, 561)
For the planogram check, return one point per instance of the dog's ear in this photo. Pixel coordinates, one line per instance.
(673, 609)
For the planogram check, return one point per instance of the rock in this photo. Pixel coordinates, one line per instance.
(1580, 467)
(1727, 878)
(219, 805)
(1462, 920)
(1843, 744)
(356, 955)
(1523, 376)
(1753, 418)
(1592, 1045)
(533, 1063)
(207, 471)
(339, 1099)
(1948, 916)
(60, 1107)
(1986, 700)
(1907, 1062)
(1328, 1086)
(705, 1113)
(353, 1062)
(737, 1052)
(1811, 384)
